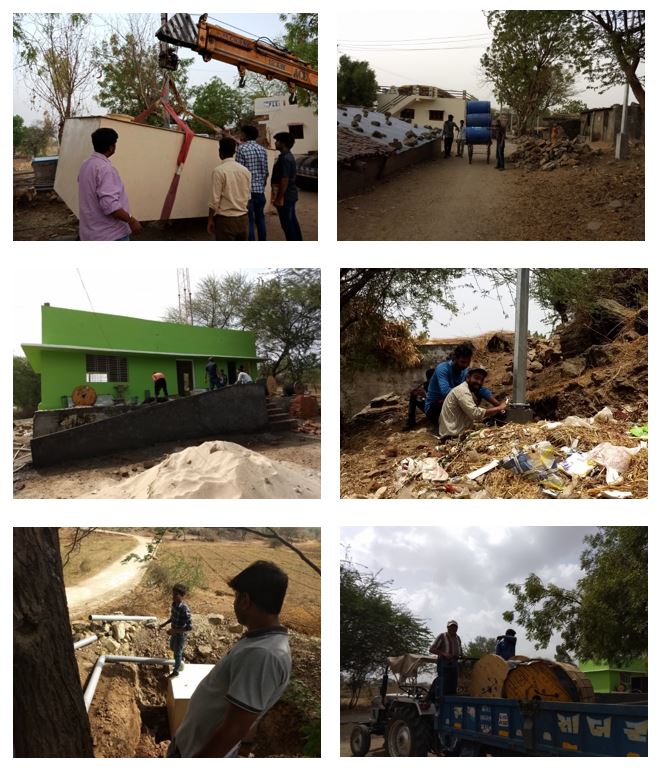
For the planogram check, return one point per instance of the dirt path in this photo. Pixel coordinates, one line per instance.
(109, 582)
(445, 199)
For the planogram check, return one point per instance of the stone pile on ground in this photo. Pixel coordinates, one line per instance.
(539, 154)
(218, 469)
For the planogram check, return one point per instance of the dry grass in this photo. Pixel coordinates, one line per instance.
(94, 552)
(221, 561)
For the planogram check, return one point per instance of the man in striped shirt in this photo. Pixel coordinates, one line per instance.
(254, 157)
(448, 648)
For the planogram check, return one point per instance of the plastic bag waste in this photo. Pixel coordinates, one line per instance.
(616, 460)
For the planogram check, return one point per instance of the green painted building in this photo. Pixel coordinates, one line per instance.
(106, 351)
(631, 677)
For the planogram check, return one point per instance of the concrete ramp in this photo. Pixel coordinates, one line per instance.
(232, 410)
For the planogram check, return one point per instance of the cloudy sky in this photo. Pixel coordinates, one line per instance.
(145, 294)
(482, 309)
(461, 574)
(464, 34)
(253, 25)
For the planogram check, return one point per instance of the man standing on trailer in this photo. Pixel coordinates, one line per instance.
(448, 648)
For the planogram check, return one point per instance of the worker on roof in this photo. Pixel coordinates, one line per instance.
(249, 679)
(243, 377)
(160, 385)
(103, 204)
(461, 408)
(506, 644)
(254, 157)
(447, 375)
(212, 379)
(284, 186)
(229, 196)
(448, 648)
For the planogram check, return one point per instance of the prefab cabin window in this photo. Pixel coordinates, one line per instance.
(103, 369)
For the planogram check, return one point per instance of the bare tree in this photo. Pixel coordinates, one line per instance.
(54, 54)
(271, 534)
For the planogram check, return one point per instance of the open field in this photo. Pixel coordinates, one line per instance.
(94, 552)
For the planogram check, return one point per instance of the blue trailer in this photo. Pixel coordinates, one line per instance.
(503, 727)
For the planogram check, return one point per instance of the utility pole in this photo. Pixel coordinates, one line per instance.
(518, 410)
(621, 141)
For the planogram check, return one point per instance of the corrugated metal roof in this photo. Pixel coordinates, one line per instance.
(391, 128)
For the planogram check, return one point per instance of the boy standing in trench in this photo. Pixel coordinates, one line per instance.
(181, 624)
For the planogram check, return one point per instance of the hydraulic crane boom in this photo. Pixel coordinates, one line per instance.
(213, 42)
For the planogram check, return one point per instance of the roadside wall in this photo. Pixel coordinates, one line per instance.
(233, 410)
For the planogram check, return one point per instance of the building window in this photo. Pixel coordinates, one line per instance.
(407, 113)
(103, 369)
(436, 116)
(297, 131)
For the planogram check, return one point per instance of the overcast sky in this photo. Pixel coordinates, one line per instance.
(457, 67)
(461, 573)
(482, 309)
(200, 72)
(145, 293)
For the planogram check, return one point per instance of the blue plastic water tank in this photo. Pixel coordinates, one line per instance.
(478, 120)
(478, 106)
(478, 135)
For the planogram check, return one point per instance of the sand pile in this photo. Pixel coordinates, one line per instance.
(218, 470)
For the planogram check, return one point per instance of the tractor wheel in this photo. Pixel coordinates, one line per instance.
(360, 740)
(407, 733)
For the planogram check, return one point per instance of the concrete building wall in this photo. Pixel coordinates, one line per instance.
(233, 410)
(281, 116)
(422, 106)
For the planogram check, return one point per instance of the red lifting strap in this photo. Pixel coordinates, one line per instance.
(182, 156)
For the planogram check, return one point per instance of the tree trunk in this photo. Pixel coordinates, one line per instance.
(49, 713)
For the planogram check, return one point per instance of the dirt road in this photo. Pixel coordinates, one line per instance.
(448, 199)
(113, 580)
(444, 199)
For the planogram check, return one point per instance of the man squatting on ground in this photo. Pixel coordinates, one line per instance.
(447, 375)
(461, 408)
(103, 203)
(229, 196)
(249, 679)
(181, 623)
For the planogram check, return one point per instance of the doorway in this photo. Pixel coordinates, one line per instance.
(232, 371)
(185, 376)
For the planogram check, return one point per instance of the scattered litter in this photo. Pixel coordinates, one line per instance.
(614, 494)
(577, 465)
(432, 470)
(616, 459)
(640, 432)
(604, 416)
(485, 469)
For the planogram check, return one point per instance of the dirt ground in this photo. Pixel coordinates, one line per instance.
(448, 199)
(374, 444)
(48, 218)
(92, 552)
(128, 715)
(85, 477)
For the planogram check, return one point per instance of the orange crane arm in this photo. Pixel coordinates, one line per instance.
(213, 42)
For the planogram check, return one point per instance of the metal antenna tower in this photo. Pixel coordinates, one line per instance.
(184, 295)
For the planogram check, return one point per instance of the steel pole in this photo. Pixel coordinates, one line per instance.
(621, 141)
(520, 364)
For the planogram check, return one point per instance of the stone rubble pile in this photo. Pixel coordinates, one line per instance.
(539, 154)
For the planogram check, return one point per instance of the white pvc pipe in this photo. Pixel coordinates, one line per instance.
(100, 663)
(84, 642)
(120, 617)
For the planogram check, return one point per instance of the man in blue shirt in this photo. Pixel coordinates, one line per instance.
(254, 157)
(506, 645)
(181, 623)
(447, 376)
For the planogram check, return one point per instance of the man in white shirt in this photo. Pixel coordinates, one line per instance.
(229, 196)
(252, 676)
(461, 408)
(243, 377)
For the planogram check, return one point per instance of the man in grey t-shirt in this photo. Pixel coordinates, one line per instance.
(246, 682)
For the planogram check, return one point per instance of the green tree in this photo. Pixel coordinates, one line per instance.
(53, 53)
(528, 60)
(605, 616)
(284, 312)
(612, 47)
(572, 106)
(480, 646)
(217, 301)
(357, 82)
(27, 387)
(373, 626)
(220, 104)
(130, 78)
(301, 37)
(19, 132)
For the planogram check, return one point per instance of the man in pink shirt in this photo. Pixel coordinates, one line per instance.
(104, 207)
